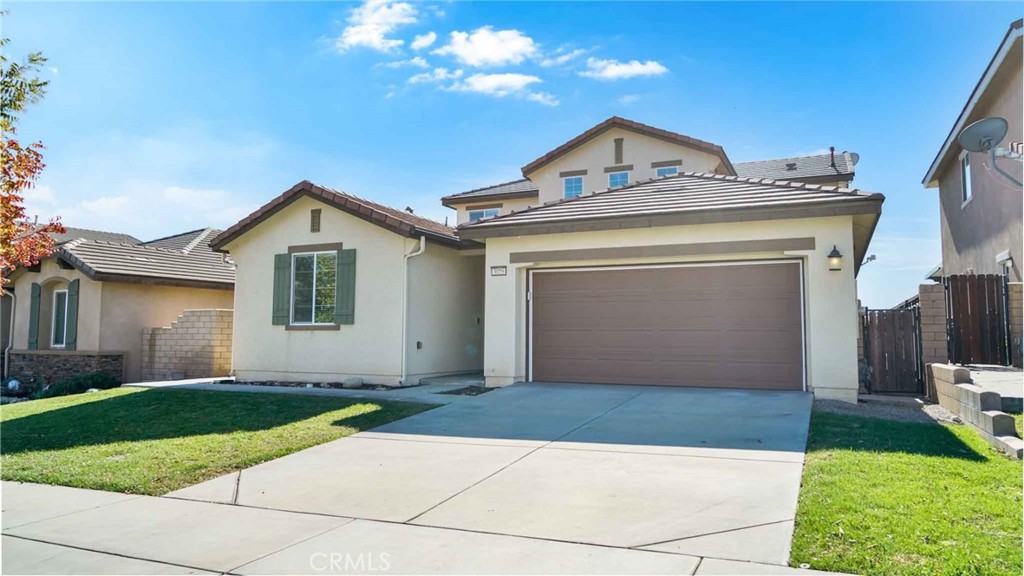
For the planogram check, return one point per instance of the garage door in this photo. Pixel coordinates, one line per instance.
(717, 326)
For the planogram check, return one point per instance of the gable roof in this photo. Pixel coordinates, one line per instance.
(75, 233)
(521, 188)
(393, 219)
(191, 264)
(806, 169)
(1008, 45)
(619, 122)
(688, 198)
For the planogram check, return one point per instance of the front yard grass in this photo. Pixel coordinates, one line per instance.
(900, 498)
(156, 441)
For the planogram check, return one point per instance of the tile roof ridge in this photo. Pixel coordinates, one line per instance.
(789, 158)
(787, 183)
(517, 180)
(407, 217)
(168, 237)
(195, 241)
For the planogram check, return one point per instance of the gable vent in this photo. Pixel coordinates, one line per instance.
(314, 220)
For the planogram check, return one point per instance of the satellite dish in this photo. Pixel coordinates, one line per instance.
(854, 157)
(983, 135)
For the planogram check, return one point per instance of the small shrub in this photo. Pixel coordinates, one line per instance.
(77, 385)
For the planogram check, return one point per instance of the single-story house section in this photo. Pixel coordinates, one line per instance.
(334, 287)
(84, 307)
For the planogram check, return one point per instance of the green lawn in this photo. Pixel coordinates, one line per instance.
(900, 498)
(157, 441)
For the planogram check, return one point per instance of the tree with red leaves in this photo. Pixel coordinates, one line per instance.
(23, 242)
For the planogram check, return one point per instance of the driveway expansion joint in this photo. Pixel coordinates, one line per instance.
(772, 523)
(107, 553)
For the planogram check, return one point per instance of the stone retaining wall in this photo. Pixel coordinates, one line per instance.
(36, 368)
(953, 389)
(933, 323)
(196, 345)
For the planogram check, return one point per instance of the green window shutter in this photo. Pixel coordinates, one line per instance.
(33, 318)
(282, 288)
(345, 296)
(71, 322)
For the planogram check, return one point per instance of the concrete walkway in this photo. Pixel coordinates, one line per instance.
(538, 479)
(1007, 381)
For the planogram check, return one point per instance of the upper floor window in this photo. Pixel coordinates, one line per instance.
(668, 171)
(59, 328)
(572, 186)
(965, 177)
(314, 287)
(618, 179)
(475, 215)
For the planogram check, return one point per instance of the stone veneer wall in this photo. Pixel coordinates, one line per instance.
(196, 345)
(39, 367)
(933, 324)
(1016, 310)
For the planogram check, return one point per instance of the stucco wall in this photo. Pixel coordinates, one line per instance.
(599, 153)
(504, 207)
(52, 276)
(975, 232)
(370, 348)
(446, 313)
(130, 309)
(830, 297)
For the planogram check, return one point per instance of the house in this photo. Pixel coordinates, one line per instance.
(980, 209)
(84, 308)
(628, 255)
(335, 287)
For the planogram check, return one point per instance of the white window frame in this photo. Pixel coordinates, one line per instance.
(53, 321)
(675, 171)
(610, 174)
(485, 213)
(966, 191)
(291, 291)
(565, 181)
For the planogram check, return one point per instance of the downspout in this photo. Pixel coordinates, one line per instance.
(10, 335)
(405, 306)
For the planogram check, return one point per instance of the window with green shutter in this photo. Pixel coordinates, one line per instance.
(314, 288)
(33, 317)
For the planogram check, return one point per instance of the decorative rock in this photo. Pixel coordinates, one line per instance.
(91, 390)
(352, 383)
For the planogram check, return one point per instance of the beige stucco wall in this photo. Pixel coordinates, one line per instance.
(830, 297)
(446, 309)
(975, 232)
(130, 309)
(598, 153)
(504, 207)
(50, 277)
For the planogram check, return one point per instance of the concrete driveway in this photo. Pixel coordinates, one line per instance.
(552, 478)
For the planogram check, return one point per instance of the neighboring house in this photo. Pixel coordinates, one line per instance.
(334, 287)
(980, 209)
(85, 307)
(676, 272)
(830, 169)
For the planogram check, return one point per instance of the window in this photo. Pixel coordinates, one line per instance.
(59, 329)
(965, 178)
(573, 186)
(668, 171)
(618, 179)
(314, 277)
(475, 215)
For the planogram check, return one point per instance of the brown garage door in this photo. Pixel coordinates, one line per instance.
(720, 326)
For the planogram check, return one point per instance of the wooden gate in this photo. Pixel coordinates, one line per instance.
(977, 320)
(892, 348)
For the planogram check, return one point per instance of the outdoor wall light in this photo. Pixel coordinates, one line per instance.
(835, 259)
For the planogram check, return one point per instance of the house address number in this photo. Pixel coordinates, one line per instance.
(499, 270)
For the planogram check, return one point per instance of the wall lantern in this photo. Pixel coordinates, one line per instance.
(835, 259)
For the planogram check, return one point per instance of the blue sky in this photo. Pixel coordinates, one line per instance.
(172, 116)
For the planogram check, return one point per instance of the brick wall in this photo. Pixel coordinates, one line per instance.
(39, 367)
(1016, 309)
(196, 345)
(933, 323)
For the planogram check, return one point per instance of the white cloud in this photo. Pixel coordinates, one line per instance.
(435, 75)
(422, 41)
(415, 61)
(629, 99)
(495, 84)
(562, 56)
(486, 47)
(542, 98)
(615, 70)
(371, 24)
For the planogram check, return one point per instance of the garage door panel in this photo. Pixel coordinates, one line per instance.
(717, 326)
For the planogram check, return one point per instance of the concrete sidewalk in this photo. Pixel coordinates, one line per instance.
(58, 530)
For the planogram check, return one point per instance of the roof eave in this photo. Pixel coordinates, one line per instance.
(456, 200)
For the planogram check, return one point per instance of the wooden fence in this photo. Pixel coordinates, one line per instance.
(892, 348)
(977, 319)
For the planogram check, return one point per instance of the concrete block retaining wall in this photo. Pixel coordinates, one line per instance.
(196, 345)
(1016, 311)
(933, 323)
(952, 388)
